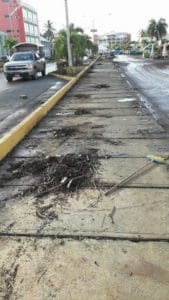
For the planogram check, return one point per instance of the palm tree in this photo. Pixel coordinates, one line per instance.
(9, 43)
(72, 28)
(49, 31)
(157, 29)
(143, 33)
(80, 43)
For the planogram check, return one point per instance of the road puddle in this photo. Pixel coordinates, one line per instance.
(127, 100)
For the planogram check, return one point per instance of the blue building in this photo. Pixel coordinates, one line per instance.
(3, 51)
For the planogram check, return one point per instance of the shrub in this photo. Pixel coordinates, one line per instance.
(147, 54)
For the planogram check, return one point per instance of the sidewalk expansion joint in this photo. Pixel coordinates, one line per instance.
(102, 186)
(81, 237)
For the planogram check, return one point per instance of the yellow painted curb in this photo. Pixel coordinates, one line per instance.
(16, 134)
(62, 76)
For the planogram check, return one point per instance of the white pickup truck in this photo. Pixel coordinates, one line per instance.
(26, 62)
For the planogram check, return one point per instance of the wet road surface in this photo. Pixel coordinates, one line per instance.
(21, 97)
(151, 79)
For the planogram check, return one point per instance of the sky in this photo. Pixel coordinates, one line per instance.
(105, 16)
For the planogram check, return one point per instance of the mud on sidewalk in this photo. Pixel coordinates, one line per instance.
(61, 237)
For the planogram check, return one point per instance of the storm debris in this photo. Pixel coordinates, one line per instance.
(23, 96)
(111, 215)
(82, 111)
(55, 174)
(82, 96)
(9, 276)
(101, 86)
(65, 131)
(45, 212)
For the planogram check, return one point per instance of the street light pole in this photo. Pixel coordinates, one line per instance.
(68, 35)
(93, 30)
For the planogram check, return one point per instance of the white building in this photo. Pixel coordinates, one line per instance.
(30, 18)
(113, 38)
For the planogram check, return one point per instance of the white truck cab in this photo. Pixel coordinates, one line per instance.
(26, 61)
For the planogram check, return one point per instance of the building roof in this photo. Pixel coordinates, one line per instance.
(27, 5)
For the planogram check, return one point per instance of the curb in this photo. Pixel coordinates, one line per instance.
(68, 78)
(16, 134)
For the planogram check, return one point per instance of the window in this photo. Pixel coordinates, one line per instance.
(36, 30)
(22, 56)
(26, 27)
(29, 15)
(34, 18)
(24, 13)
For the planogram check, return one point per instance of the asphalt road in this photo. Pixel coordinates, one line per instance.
(20, 97)
(151, 79)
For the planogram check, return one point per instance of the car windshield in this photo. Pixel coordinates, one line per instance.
(22, 56)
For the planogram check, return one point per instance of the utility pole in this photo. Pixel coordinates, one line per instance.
(93, 30)
(68, 36)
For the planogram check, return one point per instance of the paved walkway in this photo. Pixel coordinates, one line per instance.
(83, 244)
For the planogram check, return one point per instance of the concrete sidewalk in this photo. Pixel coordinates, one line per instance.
(83, 244)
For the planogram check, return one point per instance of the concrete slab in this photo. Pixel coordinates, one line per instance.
(107, 147)
(105, 112)
(130, 213)
(130, 126)
(76, 270)
(112, 171)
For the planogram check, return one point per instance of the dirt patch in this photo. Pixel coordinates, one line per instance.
(82, 111)
(82, 96)
(8, 276)
(65, 131)
(55, 174)
(101, 86)
(59, 133)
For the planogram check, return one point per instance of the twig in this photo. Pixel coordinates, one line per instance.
(111, 215)
(103, 220)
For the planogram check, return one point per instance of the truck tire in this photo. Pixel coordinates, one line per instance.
(35, 75)
(25, 77)
(43, 71)
(9, 78)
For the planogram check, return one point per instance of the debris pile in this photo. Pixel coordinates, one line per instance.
(65, 131)
(56, 174)
(101, 86)
(86, 96)
(82, 111)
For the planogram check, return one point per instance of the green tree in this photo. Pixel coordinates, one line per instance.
(61, 45)
(9, 43)
(80, 45)
(143, 33)
(157, 29)
(72, 28)
(49, 31)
